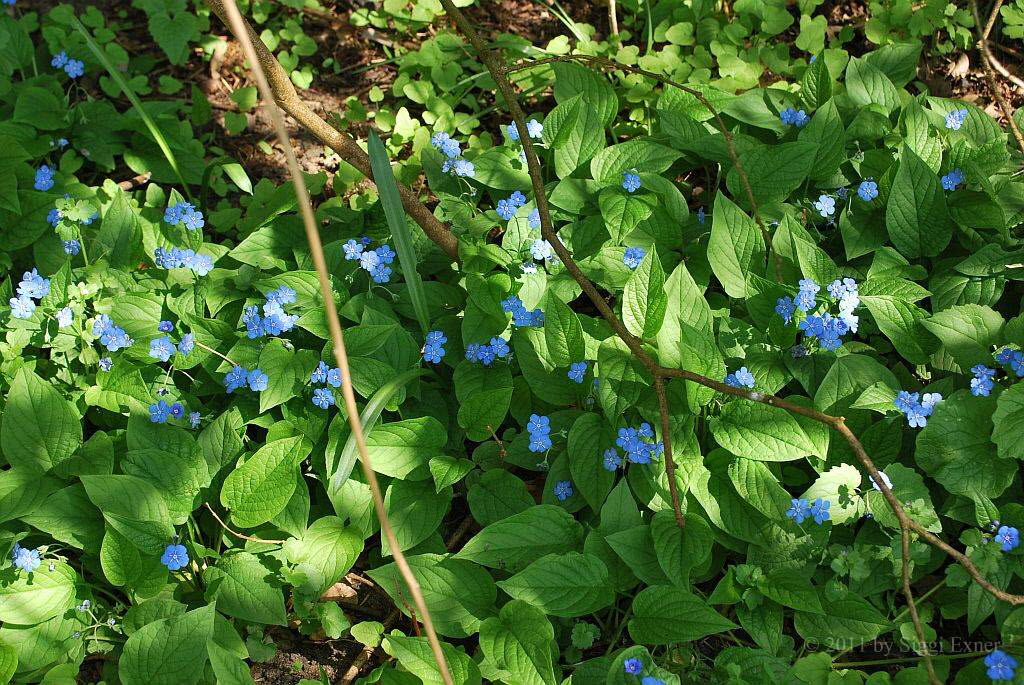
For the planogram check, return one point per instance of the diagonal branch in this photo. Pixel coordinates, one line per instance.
(989, 60)
(286, 97)
(228, 12)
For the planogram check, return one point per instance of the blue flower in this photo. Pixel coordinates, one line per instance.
(165, 326)
(842, 192)
(1001, 666)
(187, 344)
(381, 274)
(159, 412)
(72, 247)
(577, 371)
(26, 560)
(917, 408)
(499, 348)
(806, 298)
(956, 118)
(612, 460)
(464, 168)
(111, 336)
(235, 379)
(161, 348)
(258, 381)
(175, 557)
(539, 428)
(633, 666)
(534, 128)
(637, 446)
(323, 398)
(177, 410)
(651, 680)
(334, 377)
(825, 205)
(867, 190)
(369, 260)
(385, 254)
(563, 490)
(1008, 538)
(33, 285)
(282, 296)
(352, 249)
(785, 308)
(741, 379)
(534, 219)
(819, 510)
(194, 418)
(541, 249)
(794, 117)
(59, 60)
(700, 215)
(631, 182)
(106, 364)
(799, 510)
(22, 307)
(981, 384)
(319, 374)
(951, 180)
(65, 317)
(505, 209)
(633, 256)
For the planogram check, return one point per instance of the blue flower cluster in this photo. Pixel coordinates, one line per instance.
(577, 371)
(956, 119)
(455, 163)
(867, 190)
(111, 336)
(175, 557)
(534, 219)
(1008, 538)
(375, 262)
(982, 383)
(72, 67)
(433, 347)
(563, 490)
(508, 207)
(239, 377)
(1012, 358)
(639, 444)
(161, 412)
(633, 256)
(26, 560)
(951, 180)
(827, 329)
(184, 213)
(163, 348)
(32, 287)
(800, 510)
(1001, 666)
(636, 667)
(631, 181)
(177, 258)
(44, 178)
(794, 117)
(534, 129)
(274, 320)
(916, 407)
(486, 354)
(539, 428)
(72, 247)
(541, 250)
(324, 397)
(742, 378)
(521, 317)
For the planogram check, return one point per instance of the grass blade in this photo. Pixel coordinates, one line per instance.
(134, 99)
(368, 419)
(387, 188)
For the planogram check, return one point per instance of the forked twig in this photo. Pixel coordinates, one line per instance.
(988, 60)
(228, 11)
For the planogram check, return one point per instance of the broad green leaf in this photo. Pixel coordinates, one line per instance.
(562, 332)
(588, 439)
(40, 428)
(30, 598)
(736, 248)
(567, 585)
(415, 655)
(1008, 421)
(259, 489)
(968, 332)
(133, 508)
(513, 543)
(170, 651)
(757, 431)
(400, 447)
(519, 641)
(667, 614)
(239, 585)
(916, 216)
(325, 552)
(415, 509)
(643, 300)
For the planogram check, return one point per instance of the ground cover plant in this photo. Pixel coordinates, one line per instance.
(681, 342)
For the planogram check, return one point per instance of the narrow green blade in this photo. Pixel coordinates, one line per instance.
(387, 188)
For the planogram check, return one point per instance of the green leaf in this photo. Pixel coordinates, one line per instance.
(173, 33)
(40, 108)
(1008, 420)
(415, 509)
(757, 431)
(867, 85)
(8, 662)
(519, 642)
(515, 542)
(35, 597)
(178, 474)
(416, 656)
(681, 549)
(643, 300)
(916, 215)
(260, 488)
(736, 248)
(133, 508)
(566, 585)
(326, 551)
(608, 166)
(623, 212)
(459, 594)
(968, 332)
(623, 378)
(120, 232)
(815, 84)
(774, 171)
(848, 618)
(400, 447)
(40, 428)
(170, 651)
(791, 590)
(387, 187)
(666, 614)
(238, 583)
(563, 332)
(587, 441)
